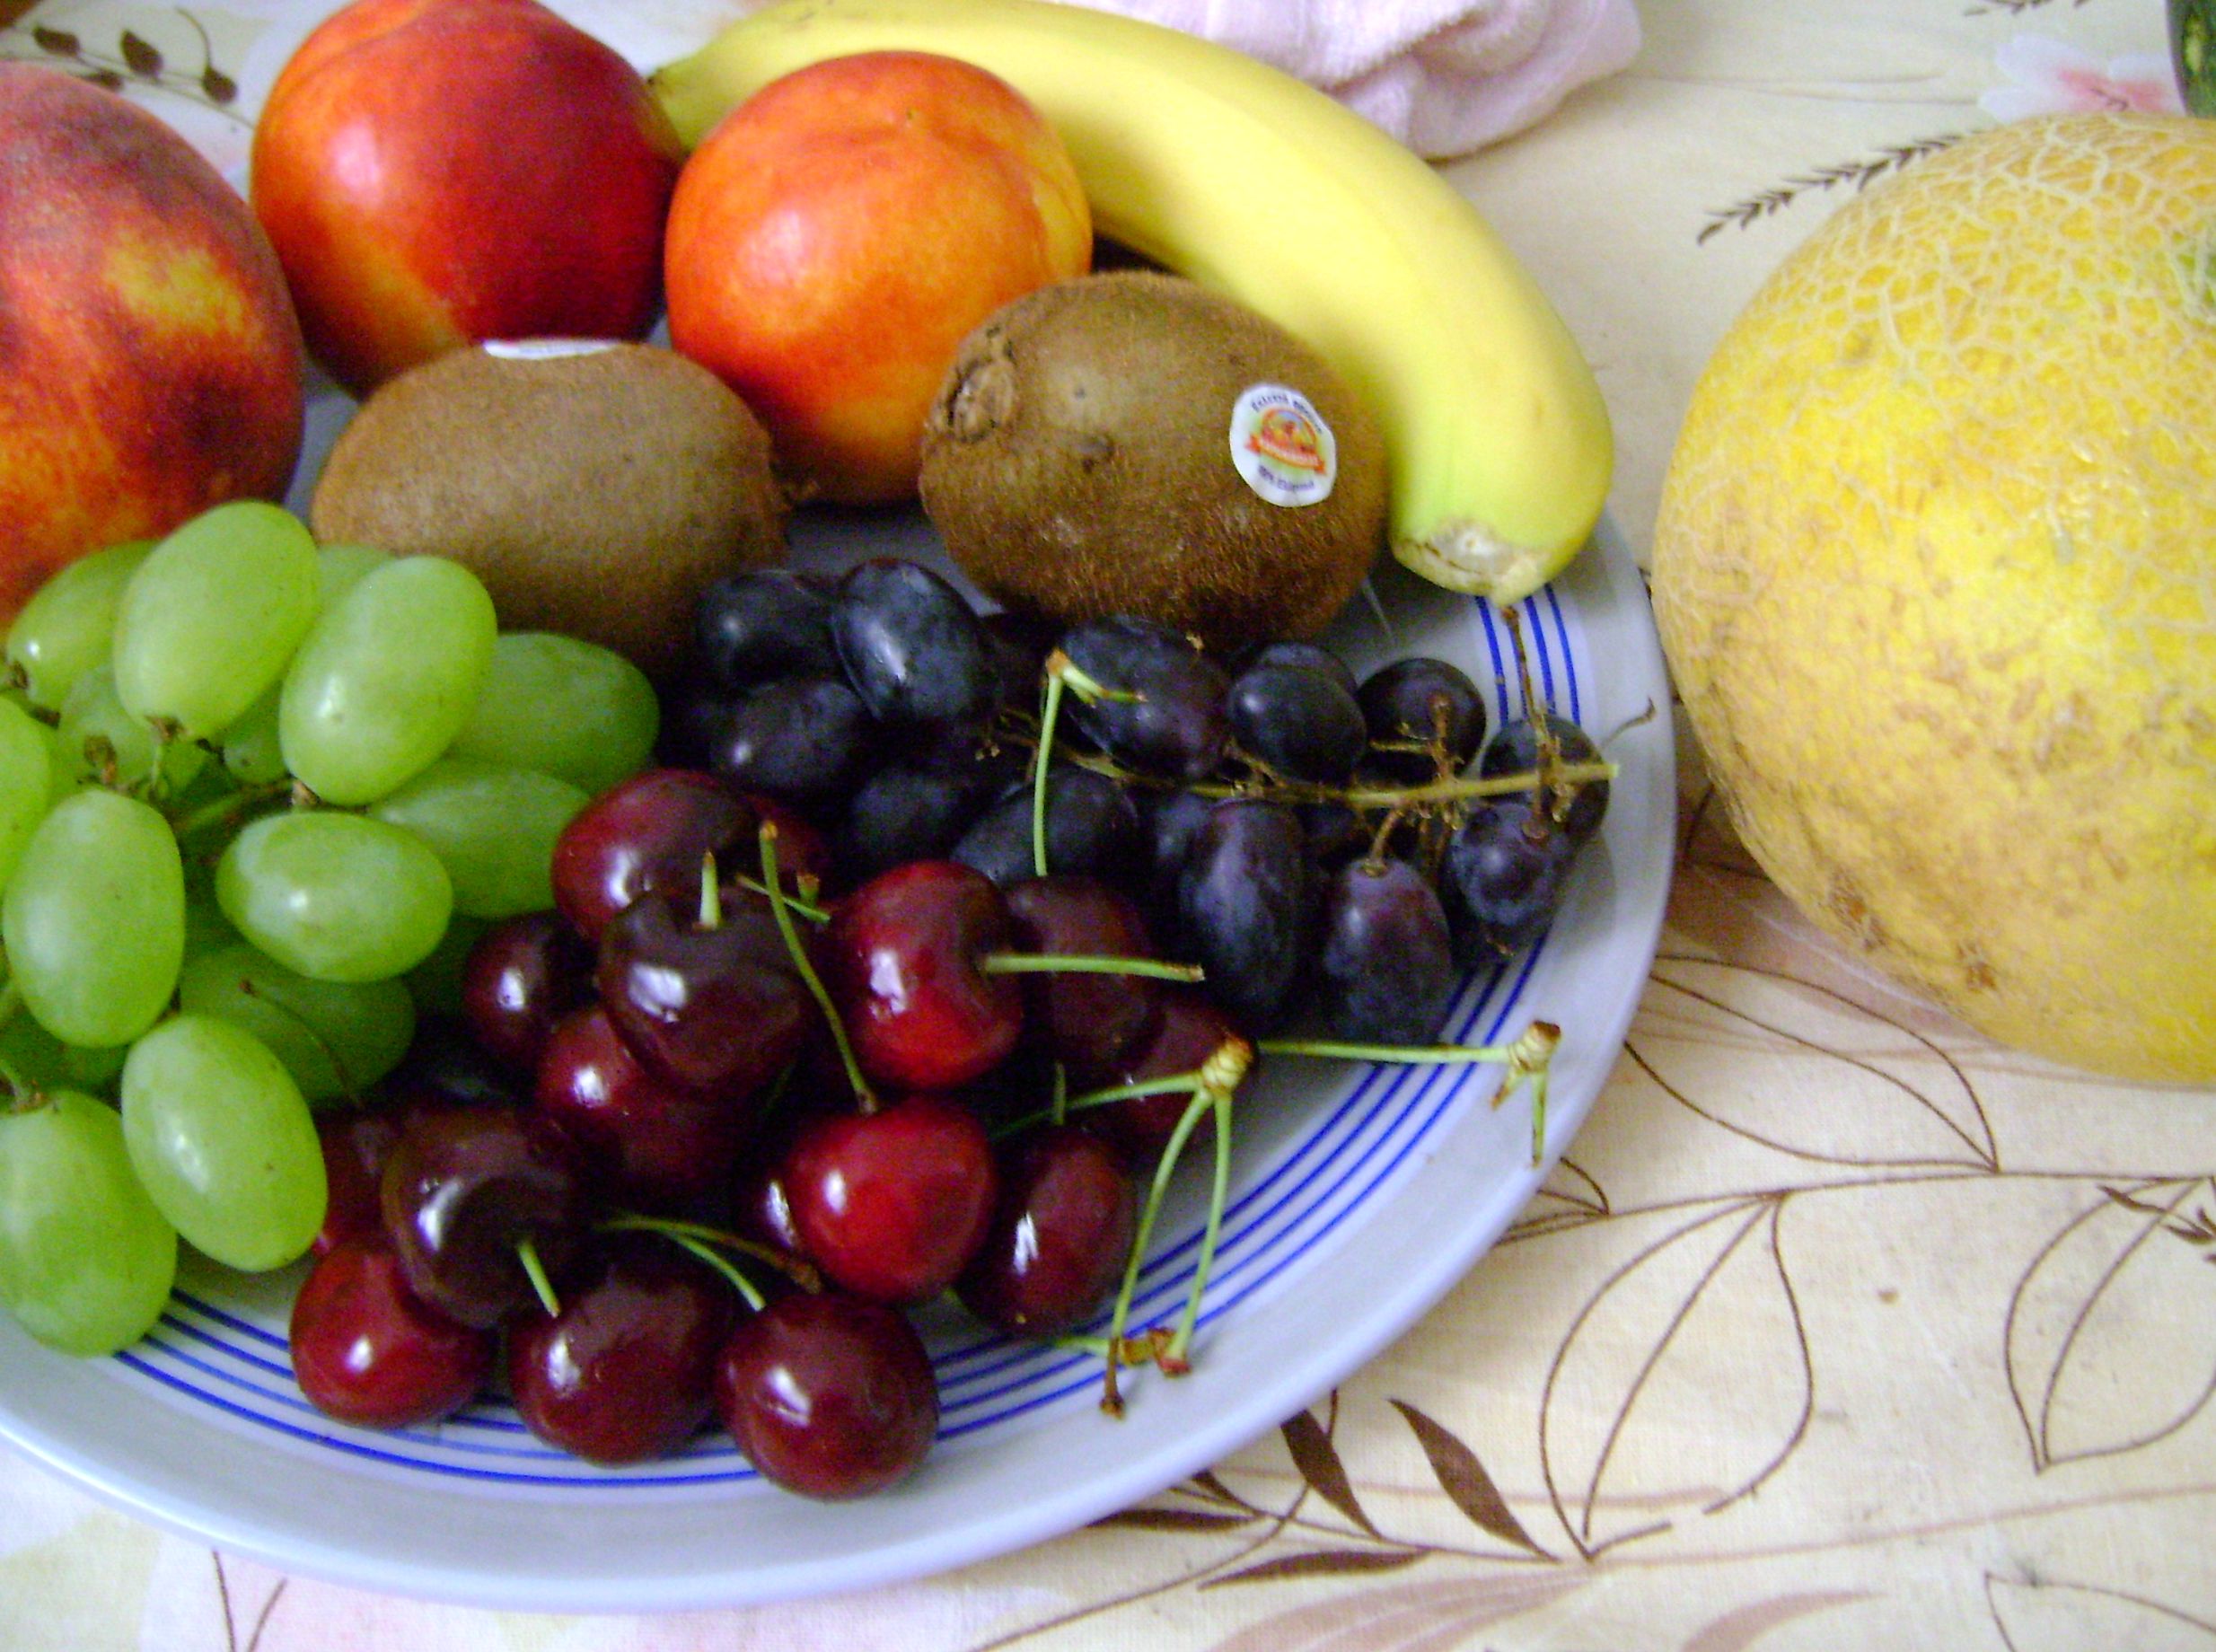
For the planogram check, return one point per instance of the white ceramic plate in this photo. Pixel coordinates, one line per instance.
(1361, 1195)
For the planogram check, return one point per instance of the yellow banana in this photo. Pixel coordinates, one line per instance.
(1245, 179)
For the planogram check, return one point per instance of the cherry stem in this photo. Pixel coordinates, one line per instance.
(711, 897)
(1049, 712)
(527, 1253)
(1175, 1084)
(724, 1265)
(1526, 1058)
(1066, 964)
(799, 1272)
(1175, 1359)
(1057, 1110)
(808, 909)
(864, 1098)
(1218, 1079)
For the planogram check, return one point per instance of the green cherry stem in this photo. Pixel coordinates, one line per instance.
(1526, 1058)
(1176, 1358)
(1061, 964)
(864, 1098)
(724, 1265)
(1061, 672)
(534, 1269)
(1175, 1084)
(711, 897)
(1111, 1399)
(793, 1268)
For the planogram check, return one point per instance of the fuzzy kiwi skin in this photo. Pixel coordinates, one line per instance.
(1076, 464)
(595, 494)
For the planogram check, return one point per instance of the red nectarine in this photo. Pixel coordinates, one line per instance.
(841, 232)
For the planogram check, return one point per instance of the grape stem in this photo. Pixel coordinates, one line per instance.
(864, 1098)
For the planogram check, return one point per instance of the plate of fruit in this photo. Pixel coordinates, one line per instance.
(649, 985)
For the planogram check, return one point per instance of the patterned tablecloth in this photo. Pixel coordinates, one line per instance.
(1838, 1327)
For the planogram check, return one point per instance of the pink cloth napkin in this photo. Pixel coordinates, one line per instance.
(1443, 76)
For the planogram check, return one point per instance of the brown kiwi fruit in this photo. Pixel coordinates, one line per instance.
(595, 489)
(1081, 460)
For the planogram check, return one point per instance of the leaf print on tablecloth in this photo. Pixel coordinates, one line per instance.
(1810, 1072)
(2111, 1335)
(2051, 1617)
(1409, 1617)
(1743, 1626)
(1462, 1478)
(1317, 1459)
(1570, 1198)
(1704, 1317)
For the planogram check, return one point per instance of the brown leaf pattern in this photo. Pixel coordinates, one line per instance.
(2119, 1294)
(1462, 1478)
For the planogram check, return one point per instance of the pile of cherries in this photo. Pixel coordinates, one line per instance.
(894, 986)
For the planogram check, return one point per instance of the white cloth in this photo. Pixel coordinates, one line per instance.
(1443, 76)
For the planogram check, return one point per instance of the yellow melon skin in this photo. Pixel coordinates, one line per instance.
(1935, 571)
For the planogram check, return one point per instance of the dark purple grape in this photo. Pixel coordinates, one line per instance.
(766, 623)
(1385, 968)
(1245, 908)
(1168, 821)
(917, 807)
(1092, 831)
(1176, 728)
(1302, 657)
(1421, 699)
(1020, 644)
(799, 738)
(1336, 831)
(1301, 723)
(911, 646)
(1576, 809)
(1502, 879)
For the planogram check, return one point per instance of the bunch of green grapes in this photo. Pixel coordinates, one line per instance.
(256, 796)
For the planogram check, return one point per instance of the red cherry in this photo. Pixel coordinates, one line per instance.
(464, 1191)
(1191, 1030)
(718, 1007)
(368, 1351)
(626, 1372)
(521, 976)
(1085, 1020)
(652, 1140)
(893, 1204)
(653, 831)
(357, 1141)
(901, 957)
(828, 1396)
(1060, 1234)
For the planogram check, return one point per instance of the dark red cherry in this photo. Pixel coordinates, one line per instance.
(1192, 1029)
(1060, 1234)
(717, 1006)
(368, 1351)
(626, 1372)
(902, 956)
(355, 1142)
(652, 832)
(1085, 1020)
(649, 1139)
(828, 1396)
(464, 1191)
(893, 1205)
(521, 976)
(447, 1066)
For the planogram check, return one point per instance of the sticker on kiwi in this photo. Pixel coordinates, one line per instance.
(1282, 446)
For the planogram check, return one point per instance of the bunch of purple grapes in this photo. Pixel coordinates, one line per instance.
(1334, 853)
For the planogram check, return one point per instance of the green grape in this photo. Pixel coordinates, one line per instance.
(565, 707)
(94, 918)
(86, 1259)
(68, 626)
(223, 1143)
(210, 620)
(436, 983)
(333, 896)
(335, 1038)
(31, 1056)
(96, 730)
(386, 679)
(339, 567)
(493, 829)
(251, 751)
(206, 929)
(26, 781)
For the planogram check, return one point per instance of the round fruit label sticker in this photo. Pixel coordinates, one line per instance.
(1282, 446)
